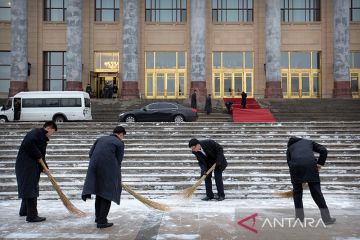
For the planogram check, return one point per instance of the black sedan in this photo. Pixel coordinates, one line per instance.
(160, 112)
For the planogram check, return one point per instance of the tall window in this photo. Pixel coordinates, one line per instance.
(233, 73)
(5, 10)
(165, 75)
(300, 74)
(165, 11)
(355, 74)
(54, 71)
(5, 66)
(355, 11)
(232, 10)
(55, 10)
(300, 10)
(107, 10)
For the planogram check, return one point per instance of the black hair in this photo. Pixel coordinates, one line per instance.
(50, 124)
(193, 142)
(119, 129)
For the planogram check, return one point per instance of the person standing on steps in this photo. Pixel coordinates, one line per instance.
(193, 100)
(208, 105)
(243, 99)
(28, 169)
(304, 168)
(208, 152)
(103, 176)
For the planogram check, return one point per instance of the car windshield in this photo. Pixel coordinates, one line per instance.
(8, 104)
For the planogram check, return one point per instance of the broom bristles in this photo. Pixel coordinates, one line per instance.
(188, 192)
(287, 194)
(69, 206)
(146, 201)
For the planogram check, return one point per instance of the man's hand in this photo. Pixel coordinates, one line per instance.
(318, 167)
(46, 171)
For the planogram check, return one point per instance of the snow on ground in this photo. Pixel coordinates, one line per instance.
(187, 219)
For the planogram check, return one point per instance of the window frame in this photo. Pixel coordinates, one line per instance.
(351, 12)
(8, 8)
(47, 17)
(116, 11)
(6, 65)
(47, 69)
(153, 13)
(222, 11)
(287, 11)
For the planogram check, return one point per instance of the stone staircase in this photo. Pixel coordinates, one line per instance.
(313, 109)
(158, 162)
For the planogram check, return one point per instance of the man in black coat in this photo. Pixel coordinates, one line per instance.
(208, 104)
(193, 100)
(208, 152)
(103, 177)
(304, 168)
(28, 169)
(243, 99)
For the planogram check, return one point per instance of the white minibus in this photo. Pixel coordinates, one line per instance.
(58, 106)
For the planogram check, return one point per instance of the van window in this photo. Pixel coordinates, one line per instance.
(51, 102)
(32, 103)
(70, 102)
(87, 102)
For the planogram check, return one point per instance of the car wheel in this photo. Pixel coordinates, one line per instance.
(179, 118)
(59, 118)
(130, 118)
(3, 119)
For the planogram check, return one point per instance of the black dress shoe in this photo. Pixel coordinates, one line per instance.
(207, 198)
(330, 221)
(104, 225)
(36, 219)
(21, 214)
(220, 198)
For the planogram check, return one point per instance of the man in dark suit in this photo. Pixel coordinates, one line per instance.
(28, 169)
(103, 177)
(304, 168)
(208, 152)
(193, 100)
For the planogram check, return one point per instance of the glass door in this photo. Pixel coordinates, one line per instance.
(170, 90)
(294, 85)
(355, 84)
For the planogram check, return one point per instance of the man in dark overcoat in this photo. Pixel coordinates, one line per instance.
(208, 152)
(208, 104)
(193, 100)
(28, 169)
(103, 177)
(243, 99)
(304, 168)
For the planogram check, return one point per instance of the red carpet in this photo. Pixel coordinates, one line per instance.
(252, 113)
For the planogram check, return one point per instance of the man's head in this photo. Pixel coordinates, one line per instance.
(194, 144)
(120, 132)
(50, 127)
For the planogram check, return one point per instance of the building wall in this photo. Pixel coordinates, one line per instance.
(99, 36)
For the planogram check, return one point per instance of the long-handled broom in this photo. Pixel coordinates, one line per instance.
(69, 206)
(188, 192)
(147, 202)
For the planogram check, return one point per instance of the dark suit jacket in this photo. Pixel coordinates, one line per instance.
(214, 154)
(301, 159)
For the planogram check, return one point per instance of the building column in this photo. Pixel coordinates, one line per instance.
(198, 47)
(19, 48)
(341, 10)
(130, 86)
(273, 49)
(74, 46)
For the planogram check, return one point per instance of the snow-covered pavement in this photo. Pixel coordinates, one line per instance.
(187, 219)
